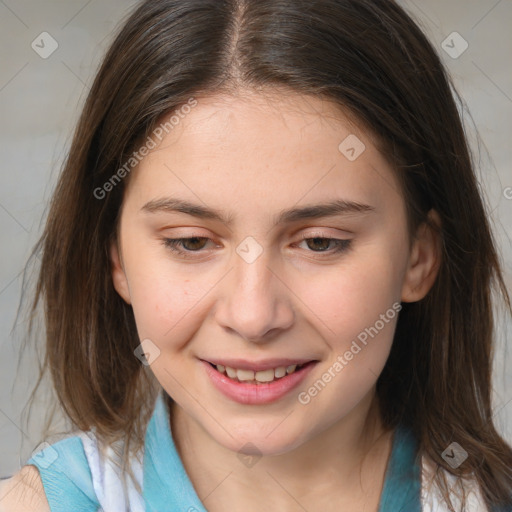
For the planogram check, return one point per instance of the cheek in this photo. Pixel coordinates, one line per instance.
(357, 305)
(164, 309)
(351, 296)
(170, 300)
(164, 299)
(358, 318)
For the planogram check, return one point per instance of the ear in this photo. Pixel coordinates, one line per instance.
(118, 276)
(424, 260)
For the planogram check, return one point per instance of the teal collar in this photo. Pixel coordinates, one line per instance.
(402, 484)
(168, 487)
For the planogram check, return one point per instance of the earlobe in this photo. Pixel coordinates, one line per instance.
(118, 275)
(424, 260)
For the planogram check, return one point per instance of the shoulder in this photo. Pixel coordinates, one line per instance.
(432, 497)
(65, 475)
(24, 492)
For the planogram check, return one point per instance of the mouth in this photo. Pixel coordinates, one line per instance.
(258, 377)
(252, 383)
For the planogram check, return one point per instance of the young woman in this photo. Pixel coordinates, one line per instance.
(267, 273)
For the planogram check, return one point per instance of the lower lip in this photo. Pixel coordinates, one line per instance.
(254, 394)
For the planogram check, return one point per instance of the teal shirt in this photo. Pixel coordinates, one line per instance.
(67, 479)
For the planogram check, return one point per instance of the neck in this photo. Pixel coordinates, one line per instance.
(348, 456)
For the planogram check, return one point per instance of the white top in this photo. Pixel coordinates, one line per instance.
(107, 481)
(431, 499)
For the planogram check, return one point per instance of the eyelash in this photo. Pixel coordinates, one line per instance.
(172, 244)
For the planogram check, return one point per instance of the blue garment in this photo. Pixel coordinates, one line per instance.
(67, 480)
(68, 483)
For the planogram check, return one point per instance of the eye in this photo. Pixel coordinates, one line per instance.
(322, 243)
(187, 247)
(176, 244)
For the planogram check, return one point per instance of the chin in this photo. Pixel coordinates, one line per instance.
(256, 440)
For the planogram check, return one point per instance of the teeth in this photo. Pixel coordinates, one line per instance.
(256, 377)
(244, 375)
(231, 372)
(265, 375)
(280, 372)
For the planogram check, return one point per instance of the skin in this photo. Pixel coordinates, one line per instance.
(252, 156)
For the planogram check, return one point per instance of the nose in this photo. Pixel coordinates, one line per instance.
(255, 301)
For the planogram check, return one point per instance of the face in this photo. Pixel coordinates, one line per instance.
(262, 280)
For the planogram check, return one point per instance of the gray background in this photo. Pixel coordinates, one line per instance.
(40, 100)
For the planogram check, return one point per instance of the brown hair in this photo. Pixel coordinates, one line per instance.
(371, 59)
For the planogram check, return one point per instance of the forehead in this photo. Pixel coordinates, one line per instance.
(271, 147)
(255, 118)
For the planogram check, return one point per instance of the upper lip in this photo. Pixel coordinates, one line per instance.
(264, 364)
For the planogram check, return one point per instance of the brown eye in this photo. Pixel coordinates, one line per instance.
(194, 243)
(183, 246)
(322, 244)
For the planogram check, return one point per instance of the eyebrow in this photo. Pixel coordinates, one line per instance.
(328, 209)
